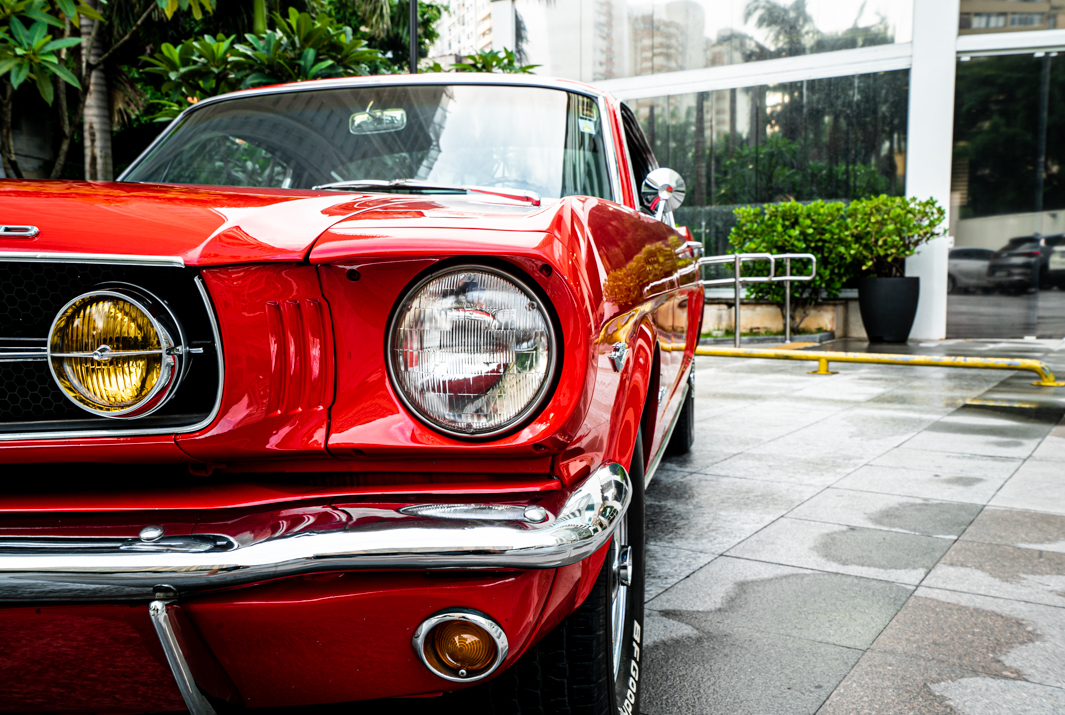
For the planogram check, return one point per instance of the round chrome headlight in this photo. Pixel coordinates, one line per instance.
(471, 351)
(116, 352)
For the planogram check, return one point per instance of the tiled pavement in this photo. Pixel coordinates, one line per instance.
(862, 543)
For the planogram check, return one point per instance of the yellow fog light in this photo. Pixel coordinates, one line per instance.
(114, 353)
(461, 646)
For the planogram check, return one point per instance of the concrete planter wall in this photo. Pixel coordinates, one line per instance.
(841, 317)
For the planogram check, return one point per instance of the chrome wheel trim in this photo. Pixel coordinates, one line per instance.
(618, 594)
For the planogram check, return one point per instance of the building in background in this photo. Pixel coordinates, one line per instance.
(979, 16)
(757, 101)
(465, 28)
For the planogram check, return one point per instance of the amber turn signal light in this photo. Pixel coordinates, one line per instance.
(463, 646)
(460, 646)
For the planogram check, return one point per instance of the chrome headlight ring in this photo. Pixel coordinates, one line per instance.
(486, 321)
(170, 337)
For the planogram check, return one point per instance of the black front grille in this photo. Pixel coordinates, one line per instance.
(28, 392)
(32, 295)
(34, 292)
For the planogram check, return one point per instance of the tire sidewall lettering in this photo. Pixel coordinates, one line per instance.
(633, 673)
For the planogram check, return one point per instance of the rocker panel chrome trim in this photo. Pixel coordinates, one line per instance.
(653, 464)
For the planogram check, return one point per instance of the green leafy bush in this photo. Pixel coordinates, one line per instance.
(299, 48)
(888, 229)
(873, 235)
(488, 61)
(819, 228)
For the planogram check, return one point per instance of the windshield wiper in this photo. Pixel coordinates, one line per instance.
(412, 185)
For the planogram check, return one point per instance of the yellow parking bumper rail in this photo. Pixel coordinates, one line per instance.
(1046, 377)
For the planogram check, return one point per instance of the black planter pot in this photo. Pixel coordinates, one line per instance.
(888, 307)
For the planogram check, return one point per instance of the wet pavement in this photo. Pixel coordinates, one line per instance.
(884, 540)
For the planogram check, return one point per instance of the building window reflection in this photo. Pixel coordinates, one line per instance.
(980, 16)
(593, 40)
(838, 139)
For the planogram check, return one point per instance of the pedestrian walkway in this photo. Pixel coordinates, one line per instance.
(884, 540)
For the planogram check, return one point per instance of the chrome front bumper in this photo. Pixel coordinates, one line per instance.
(428, 536)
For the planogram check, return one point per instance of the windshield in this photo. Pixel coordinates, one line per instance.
(534, 139)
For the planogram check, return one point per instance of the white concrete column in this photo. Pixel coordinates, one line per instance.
(929, 142)
(504, 27)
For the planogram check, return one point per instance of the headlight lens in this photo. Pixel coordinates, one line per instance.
(111, 356)
(472, 351)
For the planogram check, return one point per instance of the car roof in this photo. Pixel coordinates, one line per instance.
(423, 79)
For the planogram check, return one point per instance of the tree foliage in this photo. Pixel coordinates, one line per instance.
(298, 48)
(785, 172)
(28, 49)
(31, 49)
(389, 31)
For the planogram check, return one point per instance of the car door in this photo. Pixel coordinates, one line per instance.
(671, 317)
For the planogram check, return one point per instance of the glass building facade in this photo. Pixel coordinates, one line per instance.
(1007, 267)
(759, 101)
(593, 40)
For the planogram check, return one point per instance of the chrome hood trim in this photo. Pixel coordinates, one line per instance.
(376, 539)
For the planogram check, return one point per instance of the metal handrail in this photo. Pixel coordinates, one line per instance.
(823, 358)
(738, 259)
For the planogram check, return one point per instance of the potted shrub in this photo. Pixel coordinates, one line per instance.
(886, 230)
(791, 227)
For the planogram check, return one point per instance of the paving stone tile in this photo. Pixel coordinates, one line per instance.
(995, 696)
(701, 457)
(825, 607)
(1023, 529)
(669, 565)
(712, 514)
(740, 672)
(884, 511)
(872, 553)
(940, 485)
(1002, 571)
(751, 426)
(660, 629)
(1037, 486)
(969, 443)
(1037, 470)
(886, 684)
(854, 433)
(996, 636)
(930, 402)
(782, 469)
(989, 431)
(961, 465)
(1052, 449)
(973, 638)
(850, 388)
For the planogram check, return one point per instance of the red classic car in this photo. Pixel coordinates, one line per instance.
(345, 390)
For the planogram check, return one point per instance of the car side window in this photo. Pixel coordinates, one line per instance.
(640, 154)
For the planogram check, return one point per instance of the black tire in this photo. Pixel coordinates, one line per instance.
(952, 284)
(684, 431)
(571, 671)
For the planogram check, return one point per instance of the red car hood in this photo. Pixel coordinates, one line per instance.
(216, 226)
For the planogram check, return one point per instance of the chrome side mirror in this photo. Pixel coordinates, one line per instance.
(663, 190)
